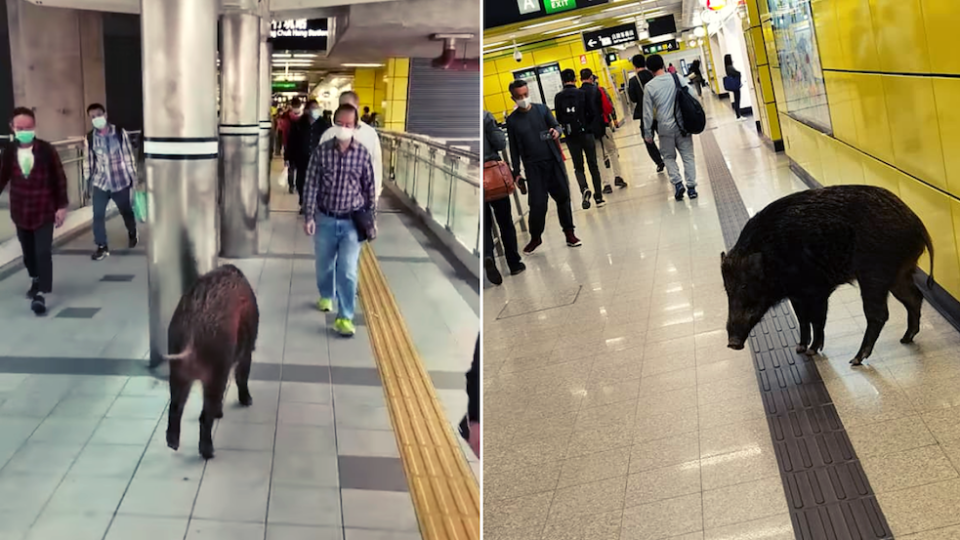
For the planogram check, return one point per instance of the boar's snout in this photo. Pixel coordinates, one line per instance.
(735, 343)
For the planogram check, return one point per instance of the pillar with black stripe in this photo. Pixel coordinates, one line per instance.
(266, 95)
(239, 128)
(180, 148)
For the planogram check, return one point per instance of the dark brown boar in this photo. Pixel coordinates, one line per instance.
(214, 327)
(805, 245)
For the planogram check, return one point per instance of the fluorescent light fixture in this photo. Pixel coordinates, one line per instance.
(361, 65)
(615, 8)
(548, 23)
(485, 45)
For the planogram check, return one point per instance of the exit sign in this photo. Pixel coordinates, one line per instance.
(290, 86)
(556, 6)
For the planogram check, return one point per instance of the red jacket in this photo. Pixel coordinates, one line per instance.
(34, 200)
(607, 105)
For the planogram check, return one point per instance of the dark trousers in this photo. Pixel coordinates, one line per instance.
(736, 102)
(277, 142)
(291, 176)
(652, 149)
(580, 145)
(101, 199)
(502, 211)
(547, 178)
(301, 181)
(38, 255)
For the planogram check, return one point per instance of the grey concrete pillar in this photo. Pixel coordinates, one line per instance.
(266, 94)
(180, 146)
(239, 129)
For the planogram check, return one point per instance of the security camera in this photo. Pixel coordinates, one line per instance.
(517, 55)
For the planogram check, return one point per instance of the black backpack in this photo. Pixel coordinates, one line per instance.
(569, 110)
(687, 110)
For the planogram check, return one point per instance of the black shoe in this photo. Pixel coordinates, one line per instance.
(619, 182)
(101, 253)
(692, 193)
(586, 200)
(34, 289)
(600, 202)
(492, 273)
(678, 192)
(291, 190)
(518, 269)
(39, 304)
(607, 190)
(661, 167)
(134, 239)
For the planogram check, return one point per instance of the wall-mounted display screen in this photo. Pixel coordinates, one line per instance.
(299, 35)
(659, 26)
(503, 12)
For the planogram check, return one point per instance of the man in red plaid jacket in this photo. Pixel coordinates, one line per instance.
(38, 200)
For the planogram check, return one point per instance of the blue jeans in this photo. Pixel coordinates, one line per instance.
(337, 251)
(101, 199)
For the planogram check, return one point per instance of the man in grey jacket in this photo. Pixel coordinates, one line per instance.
(659, 104)
(494, 142)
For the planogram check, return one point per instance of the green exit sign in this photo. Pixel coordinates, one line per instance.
(284, 85)
(556, 6)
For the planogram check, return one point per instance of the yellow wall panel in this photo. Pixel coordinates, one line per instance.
(873, 129)
(552, 54)
(940, 22)
(491, 84)
(898, 26)
(942, 260)
(841, 98)
(882, 175)
(857, 41)
(849, 165)
(828, 33)
(759, 47)
(936, 210)
(829, 166)
(774, 119)
(778, 91)
(947, 95)
(916, 144)
(766, 84)
(771, 44)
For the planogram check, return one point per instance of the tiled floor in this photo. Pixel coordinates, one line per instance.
(615, 411)
(82, 451)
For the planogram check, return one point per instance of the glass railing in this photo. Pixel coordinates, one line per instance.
(442, 180)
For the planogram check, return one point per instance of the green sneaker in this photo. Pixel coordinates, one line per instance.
(325, 304)
(345, 327)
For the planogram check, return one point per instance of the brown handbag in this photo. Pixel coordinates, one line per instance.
(497, 181)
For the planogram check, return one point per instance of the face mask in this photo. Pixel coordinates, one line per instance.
(344, 134)
(315, 113)
(523, 103)
(99, 122)
(25, 137)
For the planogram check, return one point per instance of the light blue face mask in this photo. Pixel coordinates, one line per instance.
(99, 122)
(25, 137)
(315, 113)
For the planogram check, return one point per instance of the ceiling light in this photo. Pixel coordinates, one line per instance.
(361, 65)
(548, 23)
(485, 45)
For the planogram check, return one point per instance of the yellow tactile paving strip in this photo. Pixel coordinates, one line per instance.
(445, 493)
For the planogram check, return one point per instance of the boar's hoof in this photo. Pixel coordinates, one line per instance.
(206, 450)
(801, 349)
(173, 440)
(810, 352)
(857, 361)
(908, 337)
(246, 400)
(219, 414)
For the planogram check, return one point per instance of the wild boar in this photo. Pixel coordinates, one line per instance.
(805, 245)
(213, 328)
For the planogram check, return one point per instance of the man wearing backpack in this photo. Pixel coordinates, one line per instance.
(110, 170)
(635, 91)
(660, 105)
(569, 105)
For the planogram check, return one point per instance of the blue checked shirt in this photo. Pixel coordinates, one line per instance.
(110, 165)
(339, 182)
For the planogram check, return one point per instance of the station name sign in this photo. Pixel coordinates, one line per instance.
(608, 37)
(299, 35)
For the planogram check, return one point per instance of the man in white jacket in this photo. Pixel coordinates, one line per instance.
(366, 136)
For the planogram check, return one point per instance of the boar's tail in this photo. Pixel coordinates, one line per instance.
(929, 244)
(185, 355)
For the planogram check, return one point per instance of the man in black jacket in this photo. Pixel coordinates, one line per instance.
(635, 91)
(304, 137)
(598, 126)
(570, 106)
(473, 402)
(494, 142)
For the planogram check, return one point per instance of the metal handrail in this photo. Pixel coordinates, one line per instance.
(443, 181)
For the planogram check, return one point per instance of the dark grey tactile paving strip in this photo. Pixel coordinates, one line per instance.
(141, 252)
(77, 313)
(365, 376)
(828, 492)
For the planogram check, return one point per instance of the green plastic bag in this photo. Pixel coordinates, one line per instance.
(140, 206)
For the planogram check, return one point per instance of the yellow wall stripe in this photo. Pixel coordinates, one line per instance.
(444, 491)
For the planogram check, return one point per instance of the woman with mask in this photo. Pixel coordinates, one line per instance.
(305, 136)
(38, 201)
(339, 207)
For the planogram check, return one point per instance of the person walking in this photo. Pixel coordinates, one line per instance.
(339, 209)
(365, 135)
(732, 83)
(110, 171)
(305, 136)
(635, 93)
(570, 106)
(534, 137)
(473, 402)
(38, 200)
(659, 104)
(611, 154)
(696, 77)
(493, 143)
(598, 126)
(285, 123)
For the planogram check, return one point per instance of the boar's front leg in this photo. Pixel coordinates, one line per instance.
(818, 318)
(179, 392)
(212, 408)
(875, 308)
(907, 292)
(803, 319)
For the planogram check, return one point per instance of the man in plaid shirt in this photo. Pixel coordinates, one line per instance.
(339, 183)
(110, 169)
(38, 200)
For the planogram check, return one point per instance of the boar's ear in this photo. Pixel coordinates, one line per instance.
(723, 256)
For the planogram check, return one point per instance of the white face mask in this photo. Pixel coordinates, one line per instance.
(343, 134)
(523, 103)
(99, 122)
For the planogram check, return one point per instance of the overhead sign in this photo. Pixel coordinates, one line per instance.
(299, 87)
(299, 35)
(662, 47)
(503, 12)
(608, 37)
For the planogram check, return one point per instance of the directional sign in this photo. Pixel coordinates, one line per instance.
(608, 37)
(661, 47)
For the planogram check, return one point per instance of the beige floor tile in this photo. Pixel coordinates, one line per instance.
(888, 437)
(520, 482)
(769, 528)
(743, 502)
(593, 467)
(911, 468)
(952, 451)
(732, 411)
(751, 463)
(516, 516)
(588, 499)
(667, 402)
(730, 368)
(591, 441)
(658, 484)
(601, 393)
(944, 424)
(873, 409)
(947, 533)
(663, 519)
(740, 437)
(620, 413)
(936, 395)
(605, 526)
(651, 428)
(665, 452)
(669, 381)
(710, 392)
(922, 508)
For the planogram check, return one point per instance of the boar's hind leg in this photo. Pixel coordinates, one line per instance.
(803, 319)
(212, 408)
(243, 375)
(875, 308)
(818, 319)
(907, 292)
(179, 391)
